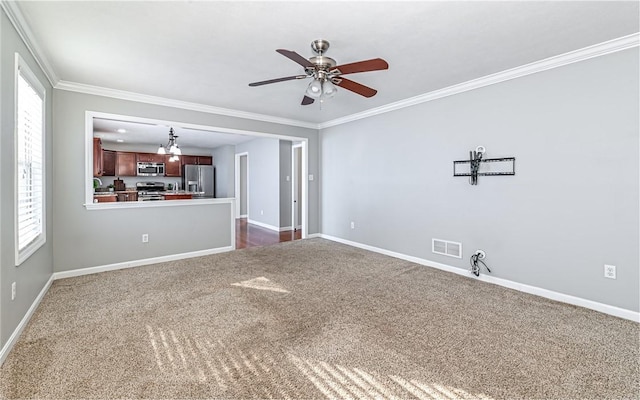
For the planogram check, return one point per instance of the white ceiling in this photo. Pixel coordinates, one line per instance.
(208, 52)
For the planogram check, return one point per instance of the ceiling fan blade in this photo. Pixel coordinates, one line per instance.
(286, 78)
(375, 64)
(355, 87)
(292, 55)
(306, 100)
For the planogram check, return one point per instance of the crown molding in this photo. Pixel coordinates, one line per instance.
(14, 14)
(601, 49)
(163, 101)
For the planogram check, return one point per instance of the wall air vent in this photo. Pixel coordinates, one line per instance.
(446, 248)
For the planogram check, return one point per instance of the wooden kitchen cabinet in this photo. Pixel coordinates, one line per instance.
(97, 157)
(188, 160)
(150, 157)
(126, 164)
(178, 196)
(105, 198)
(172, 168)
(196, 160)
(127, 196)
(108, 163)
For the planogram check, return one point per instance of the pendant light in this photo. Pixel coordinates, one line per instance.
(171, 147)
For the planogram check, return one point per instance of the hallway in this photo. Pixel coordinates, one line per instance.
(249, 235)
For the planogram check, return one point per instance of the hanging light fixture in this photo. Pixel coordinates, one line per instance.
(171, 147)
(315, 88)
(328, 89)
(321, 87)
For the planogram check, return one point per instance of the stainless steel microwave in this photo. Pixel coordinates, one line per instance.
(150, 169)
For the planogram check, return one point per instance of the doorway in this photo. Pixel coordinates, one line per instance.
(242, 185)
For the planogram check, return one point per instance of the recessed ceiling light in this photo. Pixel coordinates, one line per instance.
(119, 140)
(120, 130)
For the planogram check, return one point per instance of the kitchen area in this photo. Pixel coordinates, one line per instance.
(142, 176)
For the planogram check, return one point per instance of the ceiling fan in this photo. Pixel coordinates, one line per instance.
(326, 73)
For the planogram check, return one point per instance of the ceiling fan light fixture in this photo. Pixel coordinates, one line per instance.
(328, 89)
(315, 89)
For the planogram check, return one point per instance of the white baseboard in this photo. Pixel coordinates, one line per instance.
(263, 225)
(549, 294)
(315, 235)
(6, 349)
(285, 228)
(138, 263)
(243, 216)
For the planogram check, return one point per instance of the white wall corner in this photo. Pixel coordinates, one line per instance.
(14, 14)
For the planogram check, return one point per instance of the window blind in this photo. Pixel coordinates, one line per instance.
(29, 162)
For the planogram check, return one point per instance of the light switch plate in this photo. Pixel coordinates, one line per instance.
(310, 177)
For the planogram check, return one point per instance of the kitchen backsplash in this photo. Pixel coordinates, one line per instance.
(130, 181)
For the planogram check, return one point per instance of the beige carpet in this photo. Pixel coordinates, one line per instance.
(313, 319)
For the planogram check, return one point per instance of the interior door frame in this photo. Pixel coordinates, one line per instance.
(237, 183)
(304, 157)
(294, 178)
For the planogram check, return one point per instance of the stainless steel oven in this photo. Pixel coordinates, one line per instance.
(150, 191)
(150, 169)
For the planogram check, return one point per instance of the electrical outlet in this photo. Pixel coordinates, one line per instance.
(310, 177)
(353, 225)
(481, 254)
(145, 238)
(288, 178)
(13, 291)
(261, 212)
(610, 271)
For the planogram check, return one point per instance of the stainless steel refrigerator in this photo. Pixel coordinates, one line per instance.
(199, 180)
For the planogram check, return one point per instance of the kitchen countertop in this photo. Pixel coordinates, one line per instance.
(179, 192)
(114, 192)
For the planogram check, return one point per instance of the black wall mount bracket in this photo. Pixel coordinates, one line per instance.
(477, 166)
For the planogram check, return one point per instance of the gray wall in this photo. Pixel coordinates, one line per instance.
(264, 191)
(571, 207)
(79, 232)
(31, 275)
(224, 161)
(285, 185)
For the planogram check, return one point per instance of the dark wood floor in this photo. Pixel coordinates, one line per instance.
(248, 235)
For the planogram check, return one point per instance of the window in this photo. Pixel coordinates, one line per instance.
(29, 162)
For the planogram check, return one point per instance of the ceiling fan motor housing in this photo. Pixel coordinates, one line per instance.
(321, 64)
(319, 46)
